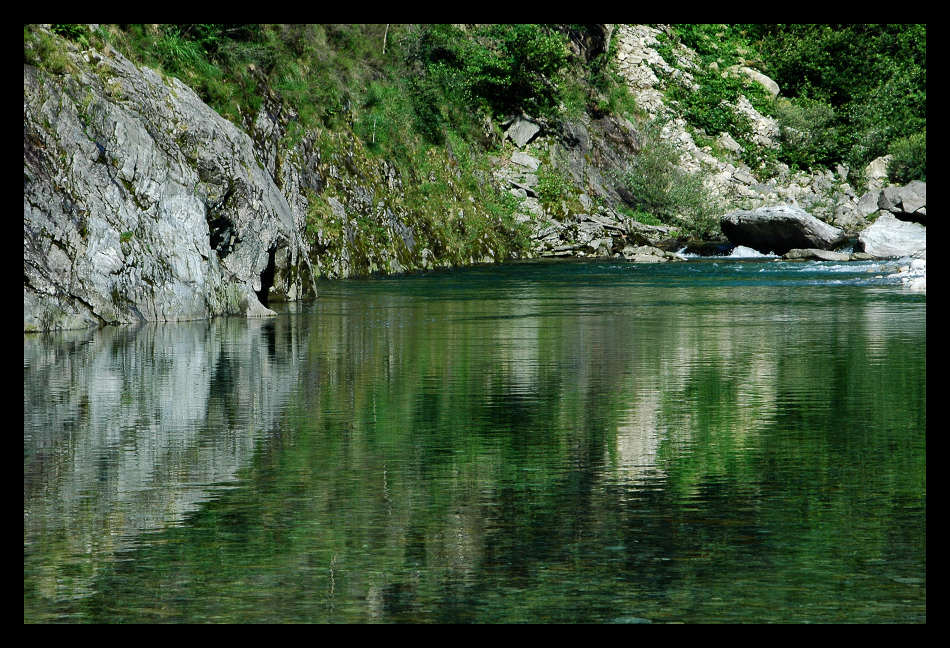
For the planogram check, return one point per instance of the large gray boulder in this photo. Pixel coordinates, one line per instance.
(779, 229)
(908, 203)
(141, 203)
(889, 237)
(522, 131)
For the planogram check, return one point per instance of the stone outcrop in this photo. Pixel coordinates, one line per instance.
(814, 254)
(779, 229)
(889, 237)
(521, 131)
(907, 203)
(824, 194)
(604, 234)
(141, 203)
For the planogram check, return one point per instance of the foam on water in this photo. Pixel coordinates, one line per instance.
(738, 252)
(743, 252)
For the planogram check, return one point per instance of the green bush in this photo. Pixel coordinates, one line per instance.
(909, 161)
(662, 188)
(508, 68)
(44, 51)
(76, 33)
(640, 216)
(872, 75)
(552, 189)
(807, 133)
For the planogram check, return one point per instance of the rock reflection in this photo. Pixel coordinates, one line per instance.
(456, 449)
(128, 430)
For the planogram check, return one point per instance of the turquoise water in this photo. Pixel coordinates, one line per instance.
(707, 441)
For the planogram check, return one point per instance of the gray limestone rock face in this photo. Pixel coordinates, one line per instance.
(889, 237)
(141, 203)
(779, 229)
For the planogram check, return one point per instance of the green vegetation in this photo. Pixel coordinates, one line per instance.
(44, 51)
(555, 191)
(909, 160)
(427, 100)
(709, 108)
(664, 189)
(640, 216)
(849, 92)
(868, 81)
(807, 132)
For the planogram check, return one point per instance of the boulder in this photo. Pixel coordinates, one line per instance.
(908, 203)
(779, 229)
(525, 160)
(867, 204)
(813, 254)
(522, 131)
(648, 254)
(890, 237)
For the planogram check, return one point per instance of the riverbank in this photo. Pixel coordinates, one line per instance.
(142, 202)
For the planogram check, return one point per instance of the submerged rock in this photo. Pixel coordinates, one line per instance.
(799, 254)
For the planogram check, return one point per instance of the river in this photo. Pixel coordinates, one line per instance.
(712, 441)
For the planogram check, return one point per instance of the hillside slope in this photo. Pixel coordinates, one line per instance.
(144, 203)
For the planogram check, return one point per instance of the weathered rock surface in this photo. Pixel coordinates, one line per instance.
(141, 203)
(799, 254)
(907, 203)
(779, 229)
(889, 237)
(648, 254)
(605, 233)
(522, 131)
(591, 153)
(876, 172)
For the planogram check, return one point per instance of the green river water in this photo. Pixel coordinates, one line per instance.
(574, 442)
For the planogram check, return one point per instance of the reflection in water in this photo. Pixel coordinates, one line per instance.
(127, 430)
(535, 442)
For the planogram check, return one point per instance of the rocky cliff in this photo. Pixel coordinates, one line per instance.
(141, 203)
